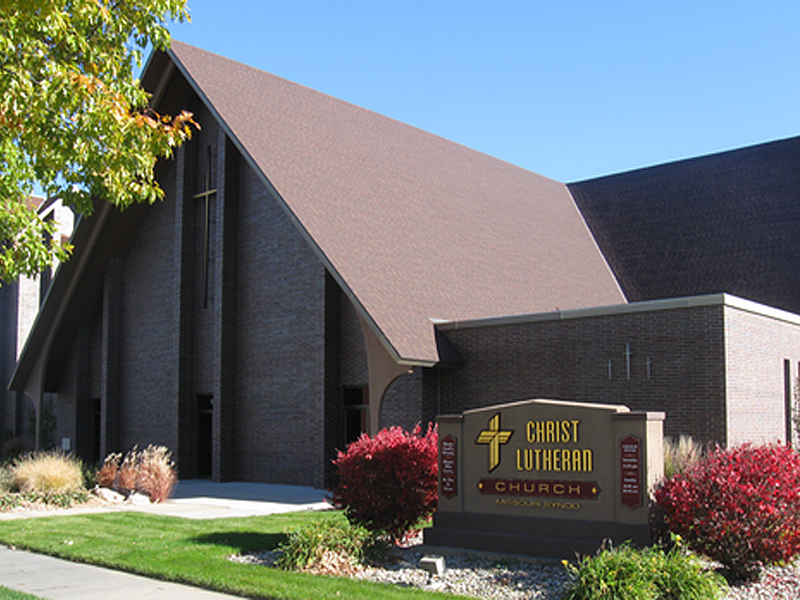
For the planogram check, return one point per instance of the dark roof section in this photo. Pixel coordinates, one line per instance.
(413, 227)
(727, 222)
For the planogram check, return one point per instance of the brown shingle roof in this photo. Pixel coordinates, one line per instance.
(413, 226)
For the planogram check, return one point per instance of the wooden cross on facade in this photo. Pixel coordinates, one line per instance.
(206, 195)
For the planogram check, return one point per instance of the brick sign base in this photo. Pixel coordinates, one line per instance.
(561, 538)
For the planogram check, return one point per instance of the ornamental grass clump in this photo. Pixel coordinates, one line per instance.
(739, 507)
(107, 474)
(388, 483)
(47, 473)
(681, 454)
(150, 472)
(156, 475)
(6, 480)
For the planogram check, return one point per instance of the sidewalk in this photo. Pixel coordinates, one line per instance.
(58, 579)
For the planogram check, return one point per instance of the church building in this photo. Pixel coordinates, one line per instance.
(317, 270)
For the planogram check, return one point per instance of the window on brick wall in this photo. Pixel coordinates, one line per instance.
(788, 388)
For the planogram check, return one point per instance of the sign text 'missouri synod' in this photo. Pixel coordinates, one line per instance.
(550, 447)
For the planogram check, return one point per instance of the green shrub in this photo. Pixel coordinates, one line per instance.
(626, 573)
(615, 574)
(681, 576)
(28, 499)
(331, 546)
(47, 473)
(681, 454)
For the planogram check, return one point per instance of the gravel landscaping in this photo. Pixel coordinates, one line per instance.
(481, 577)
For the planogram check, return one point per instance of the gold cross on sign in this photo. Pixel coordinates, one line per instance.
(494, 437)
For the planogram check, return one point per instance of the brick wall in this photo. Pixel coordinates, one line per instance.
(756, 348)
(8, 357)
(676, 365)
(403, 402)
(78, 385)
(146, 326)
(352, 350)
(155, 347)
(280, 336)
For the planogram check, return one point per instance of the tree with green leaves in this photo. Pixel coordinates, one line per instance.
(74, 118)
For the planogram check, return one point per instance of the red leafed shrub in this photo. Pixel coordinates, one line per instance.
(388, 483)
(740, 507)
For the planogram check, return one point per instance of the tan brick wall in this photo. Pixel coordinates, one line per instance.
(755, 349)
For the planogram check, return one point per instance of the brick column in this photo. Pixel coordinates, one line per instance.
(225, 264)
(85, 442)
(182, 391)
(110, 401)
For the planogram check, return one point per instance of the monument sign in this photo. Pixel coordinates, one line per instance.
(546, 477)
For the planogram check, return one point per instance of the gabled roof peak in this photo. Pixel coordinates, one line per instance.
(411, 225)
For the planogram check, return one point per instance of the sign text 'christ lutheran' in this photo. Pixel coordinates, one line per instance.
(526, 464)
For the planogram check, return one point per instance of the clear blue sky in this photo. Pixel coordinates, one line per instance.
(568, 89)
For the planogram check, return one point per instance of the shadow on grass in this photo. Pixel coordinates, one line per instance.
(242, 541)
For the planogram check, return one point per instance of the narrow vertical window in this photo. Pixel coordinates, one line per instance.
(787, 399)
(205, 435)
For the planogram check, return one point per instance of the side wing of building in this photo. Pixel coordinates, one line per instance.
(723, 223)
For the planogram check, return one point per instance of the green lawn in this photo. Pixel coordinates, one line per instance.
(189, 551)
(7, 594)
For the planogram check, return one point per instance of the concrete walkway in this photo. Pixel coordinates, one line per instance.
(57, 579)
(200, 499)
